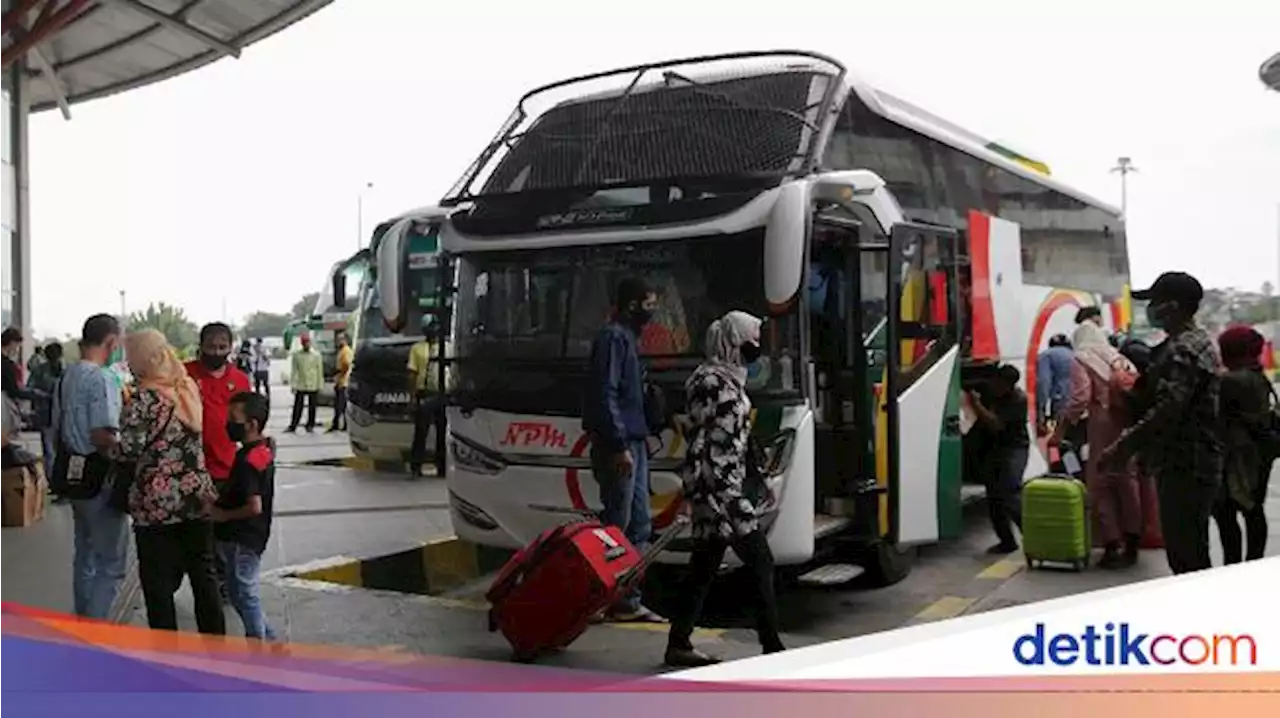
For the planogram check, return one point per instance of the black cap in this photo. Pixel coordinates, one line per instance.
(1173, 287)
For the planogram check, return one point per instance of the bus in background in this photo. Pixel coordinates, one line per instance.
(327, 319)
(894, 260)
(380, 403)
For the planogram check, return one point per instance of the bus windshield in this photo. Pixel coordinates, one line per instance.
(548, 304)
(421, 279)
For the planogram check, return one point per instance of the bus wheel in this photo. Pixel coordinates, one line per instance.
(887, 563)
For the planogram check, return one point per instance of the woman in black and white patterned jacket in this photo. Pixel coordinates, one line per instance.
(714, 470)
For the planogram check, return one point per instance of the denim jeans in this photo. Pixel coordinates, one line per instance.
(101, 549)
(48, 448)
(242, 588)
(626, 500)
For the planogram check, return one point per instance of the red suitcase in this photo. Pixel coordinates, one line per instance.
(547, 594)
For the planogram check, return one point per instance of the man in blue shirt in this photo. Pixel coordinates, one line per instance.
(614, 417)
(1053, 381)
(86, 410)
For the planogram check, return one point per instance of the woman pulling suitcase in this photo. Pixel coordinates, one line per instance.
(714, 470)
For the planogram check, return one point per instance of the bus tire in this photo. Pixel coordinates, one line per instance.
(887, 563)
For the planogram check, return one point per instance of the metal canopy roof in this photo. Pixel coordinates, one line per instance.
(1270, 72)
(79, 50)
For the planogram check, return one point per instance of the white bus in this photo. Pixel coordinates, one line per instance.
(893, 256)
(379, 408)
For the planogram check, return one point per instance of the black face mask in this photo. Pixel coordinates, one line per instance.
(750, 352)
(213, 361)
(640, 317)
(236, 431)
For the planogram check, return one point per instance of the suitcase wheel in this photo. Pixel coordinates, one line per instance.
(1078, 565)
(1031, 564)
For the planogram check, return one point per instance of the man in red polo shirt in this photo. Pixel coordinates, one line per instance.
(219, 381)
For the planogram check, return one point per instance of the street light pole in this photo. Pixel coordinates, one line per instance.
(360, 215)
(124, 314)
(1124, 166)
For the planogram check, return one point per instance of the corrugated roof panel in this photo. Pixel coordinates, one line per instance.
(113, 47)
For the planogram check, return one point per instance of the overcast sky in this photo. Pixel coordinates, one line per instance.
(237, 185)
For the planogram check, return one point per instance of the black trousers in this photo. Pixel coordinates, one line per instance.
(298, 398)
(429, 412)
(704, 562)
(339, 409)
(1185, 507)
(168, 552)
(262, 383)
(1252, 544)
(1002, 472)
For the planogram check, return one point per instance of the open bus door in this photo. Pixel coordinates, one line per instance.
(918, 449)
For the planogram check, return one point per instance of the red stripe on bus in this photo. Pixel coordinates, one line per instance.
(986, 345)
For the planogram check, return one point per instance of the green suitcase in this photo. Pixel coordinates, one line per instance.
(1055, 522)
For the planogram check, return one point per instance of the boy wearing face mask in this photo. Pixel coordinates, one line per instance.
(242, 514)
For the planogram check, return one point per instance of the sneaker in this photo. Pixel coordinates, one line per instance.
(1002, 549)
(639, 614)
(688, 658)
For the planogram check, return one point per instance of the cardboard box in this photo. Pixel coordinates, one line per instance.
(23, 490)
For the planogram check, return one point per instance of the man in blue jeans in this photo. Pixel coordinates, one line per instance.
(86, 411)
(614, 418)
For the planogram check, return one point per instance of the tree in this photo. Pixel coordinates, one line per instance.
(303, 307)
(265, 324)
(169, 320)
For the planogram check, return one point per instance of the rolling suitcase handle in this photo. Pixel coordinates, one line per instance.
(633, 574)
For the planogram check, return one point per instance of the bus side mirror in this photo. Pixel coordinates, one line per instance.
(391, 262)
(340, 290)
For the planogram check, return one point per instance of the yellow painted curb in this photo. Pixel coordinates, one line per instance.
(1003, 569)
(944, 608)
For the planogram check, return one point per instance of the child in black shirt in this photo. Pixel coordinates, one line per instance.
(243, 511)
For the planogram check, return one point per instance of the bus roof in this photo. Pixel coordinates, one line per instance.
(904, 113)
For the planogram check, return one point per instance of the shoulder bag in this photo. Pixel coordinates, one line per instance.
(75, 476)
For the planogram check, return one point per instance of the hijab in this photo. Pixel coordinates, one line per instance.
(1094, 351)
(725, 338)
(156, 366)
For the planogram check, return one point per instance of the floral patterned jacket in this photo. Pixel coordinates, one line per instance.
(170, 483)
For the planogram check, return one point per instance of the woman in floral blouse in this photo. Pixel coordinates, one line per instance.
(168, 499)
(715, 467)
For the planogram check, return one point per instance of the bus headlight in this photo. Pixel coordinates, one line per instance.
(471, 456)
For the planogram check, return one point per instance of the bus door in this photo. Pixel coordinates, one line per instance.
(918, 454)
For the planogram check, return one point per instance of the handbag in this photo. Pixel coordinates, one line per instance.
(126, 472)
(76, 476)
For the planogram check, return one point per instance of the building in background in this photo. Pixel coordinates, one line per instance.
(58, 53)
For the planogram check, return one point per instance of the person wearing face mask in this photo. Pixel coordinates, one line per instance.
(614, 417)
(714, 470)
(170, 489)
(218, 380)
(242, 515)
(13, 374)
(86, 414)
(1178, 437)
